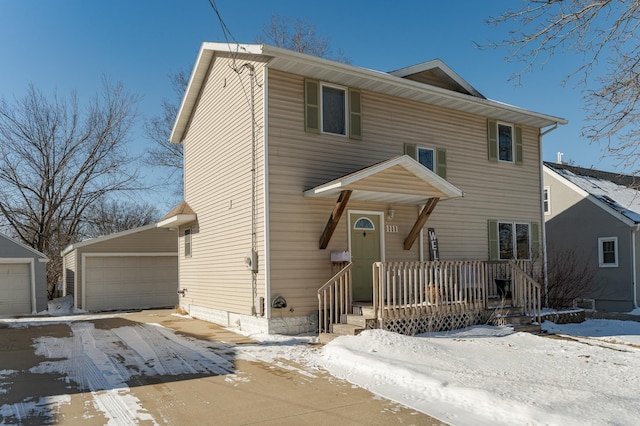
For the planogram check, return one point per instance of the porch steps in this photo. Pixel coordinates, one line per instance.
(501, 313)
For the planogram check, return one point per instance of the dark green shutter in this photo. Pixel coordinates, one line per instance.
(355, 114)
(535, 240)
(410, 150)
(492, 226)
(518, 144)
(492, 140)
(311, 106)
(441, 162)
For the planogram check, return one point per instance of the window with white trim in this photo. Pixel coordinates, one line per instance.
(187, 242)
(505, 142)
(426, 157)
(434, 159)
(546, 200)
(514, 240)
(334, 109)
(608, 252)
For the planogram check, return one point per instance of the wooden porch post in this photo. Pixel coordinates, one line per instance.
(332, 223)
(422, 219)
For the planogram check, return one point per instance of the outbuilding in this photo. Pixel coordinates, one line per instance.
(23, 278)
(132, 269)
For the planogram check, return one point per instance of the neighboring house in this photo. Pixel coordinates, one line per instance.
(597, 215)
(23, 278)
(131, 269)
(295, 167)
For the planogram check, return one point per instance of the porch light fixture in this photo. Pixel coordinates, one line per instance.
(390, 213)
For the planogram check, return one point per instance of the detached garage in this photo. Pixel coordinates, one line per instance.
(135, 269)
(23, 278)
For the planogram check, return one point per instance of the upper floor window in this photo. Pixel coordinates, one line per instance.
(504, 142)
(546, 201)
(433, 159)
(426, 157)
(608, 252)
(332, 109)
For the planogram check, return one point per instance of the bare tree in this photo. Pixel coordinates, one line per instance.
(57, 159)
(111, 216)
(300, 36)
(164, 153)
(571, 275)
(605, 33)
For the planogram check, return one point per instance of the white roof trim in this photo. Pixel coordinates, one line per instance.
(177, 220)
(107, 237)
(352, 76)
(435, 64)
(333, 188)
(31, 249)
(595, 200)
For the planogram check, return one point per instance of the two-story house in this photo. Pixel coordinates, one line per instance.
(302, 173)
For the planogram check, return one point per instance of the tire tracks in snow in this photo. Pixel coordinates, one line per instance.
(102, 361)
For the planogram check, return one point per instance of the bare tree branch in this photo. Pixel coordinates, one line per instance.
(300, 36)
(604, 33)
(56, 161)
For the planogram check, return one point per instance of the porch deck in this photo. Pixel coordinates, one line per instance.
(416, 297)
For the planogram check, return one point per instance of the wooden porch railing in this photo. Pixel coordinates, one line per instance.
(409, 289)
(527, 293)
(403, 289)
(334, 299)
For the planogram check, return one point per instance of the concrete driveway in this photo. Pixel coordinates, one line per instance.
(153, 367)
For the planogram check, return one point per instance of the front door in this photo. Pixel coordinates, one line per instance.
(365, 250)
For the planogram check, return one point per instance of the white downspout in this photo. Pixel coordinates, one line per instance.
(633, 265)
(542, 224)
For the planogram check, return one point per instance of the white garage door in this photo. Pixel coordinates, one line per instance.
(15, 288)
(130, 282)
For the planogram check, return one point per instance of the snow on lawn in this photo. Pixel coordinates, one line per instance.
(490, 375)
(585, 375)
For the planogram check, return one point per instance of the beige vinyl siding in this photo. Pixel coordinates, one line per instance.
(300, 160)
(220, 134)
(147, 241)
(69, 271)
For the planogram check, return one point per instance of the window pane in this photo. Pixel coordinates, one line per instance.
(363, 223)
(333, 110)
(505, 142)
(609, 252)
(425, 157)
(505, 235)
(187, 242)
(546, 200)
(522, 240)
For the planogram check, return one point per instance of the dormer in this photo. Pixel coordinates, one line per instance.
(437, 73)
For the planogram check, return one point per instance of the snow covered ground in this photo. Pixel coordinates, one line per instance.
(479, 375)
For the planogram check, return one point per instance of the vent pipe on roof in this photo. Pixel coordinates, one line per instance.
(560, 154)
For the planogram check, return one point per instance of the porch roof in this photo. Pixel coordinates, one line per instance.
(400, 180)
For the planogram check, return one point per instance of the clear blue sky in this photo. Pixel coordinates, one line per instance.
(69, 44)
